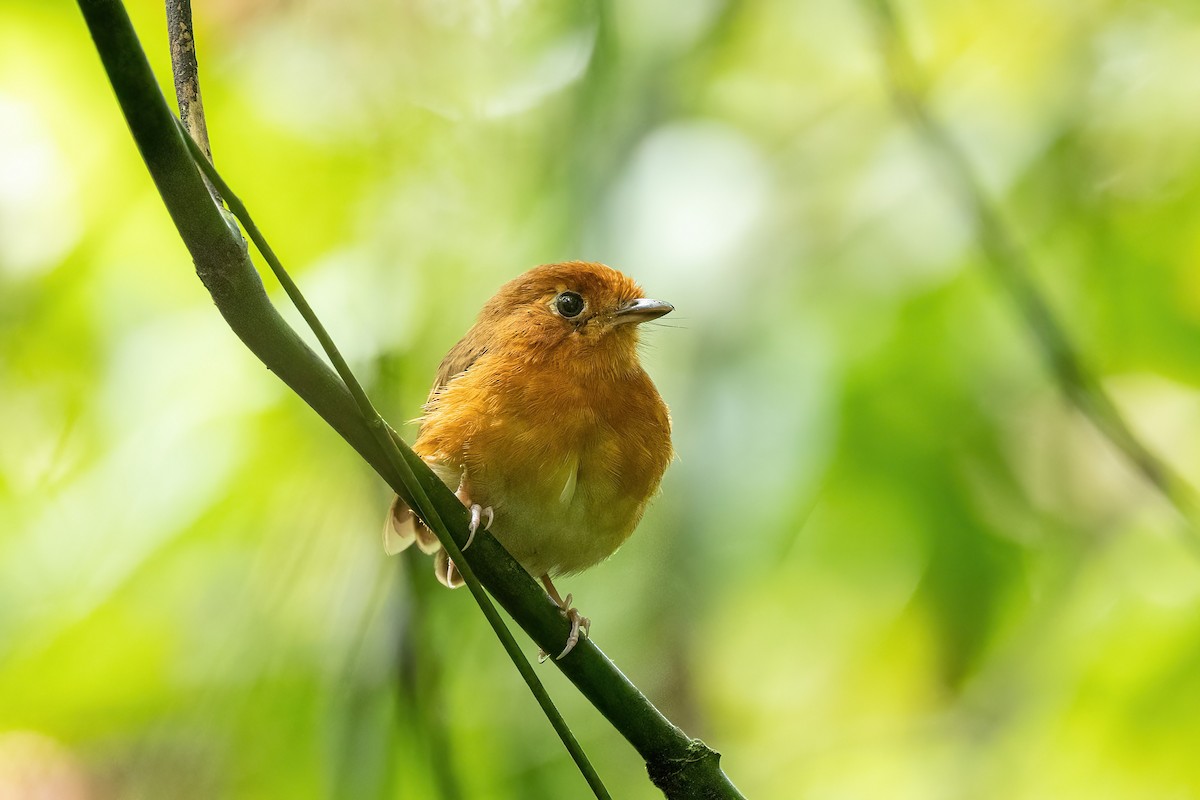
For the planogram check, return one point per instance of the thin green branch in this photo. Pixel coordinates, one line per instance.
(1010, 264)
(389, 443)
(680, 766)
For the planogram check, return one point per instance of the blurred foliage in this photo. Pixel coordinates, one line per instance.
(889, 561)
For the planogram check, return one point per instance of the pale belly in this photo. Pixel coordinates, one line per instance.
(561, 518)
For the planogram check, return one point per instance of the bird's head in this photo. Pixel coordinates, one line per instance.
(581, 314)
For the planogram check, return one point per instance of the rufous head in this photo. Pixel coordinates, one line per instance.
(576, 309)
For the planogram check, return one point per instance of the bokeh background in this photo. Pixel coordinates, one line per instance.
(890, 559)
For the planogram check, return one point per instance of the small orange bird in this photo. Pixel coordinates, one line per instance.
(547, 425)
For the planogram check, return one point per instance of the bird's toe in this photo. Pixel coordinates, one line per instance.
(580, 626)
(477, 512)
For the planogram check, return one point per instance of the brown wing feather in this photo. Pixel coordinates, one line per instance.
(458, 360)
(402, 527)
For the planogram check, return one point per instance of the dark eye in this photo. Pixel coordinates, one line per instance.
(569, 304)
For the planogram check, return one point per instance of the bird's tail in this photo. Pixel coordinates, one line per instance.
(402, 528)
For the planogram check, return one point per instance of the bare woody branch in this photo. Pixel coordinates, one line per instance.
(186, 70)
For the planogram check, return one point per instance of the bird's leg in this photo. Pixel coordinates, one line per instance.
(579, 623)
(463, 493)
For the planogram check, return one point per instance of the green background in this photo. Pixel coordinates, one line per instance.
(890, 560)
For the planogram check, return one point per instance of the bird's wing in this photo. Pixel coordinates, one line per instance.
(457, 361)
(402, 527)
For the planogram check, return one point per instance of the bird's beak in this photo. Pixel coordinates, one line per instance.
(641, 310)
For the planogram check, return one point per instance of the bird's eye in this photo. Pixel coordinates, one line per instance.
(569, 304)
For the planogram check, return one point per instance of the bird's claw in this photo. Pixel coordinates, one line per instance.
(579, 625)
(477, 513)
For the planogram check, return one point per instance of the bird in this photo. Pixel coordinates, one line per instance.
(546, 426)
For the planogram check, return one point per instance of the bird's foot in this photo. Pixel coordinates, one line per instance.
(580, 625)
(477, 514)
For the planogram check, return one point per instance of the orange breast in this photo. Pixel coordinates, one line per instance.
(567, 465)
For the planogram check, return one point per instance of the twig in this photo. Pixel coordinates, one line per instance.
(680, 766)
(420, 691)
(187, 72)
(188, 75)
(389, 442)
(1011, 265)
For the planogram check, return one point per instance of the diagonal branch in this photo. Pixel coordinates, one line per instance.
(1010, 264)
(391, 443)
(680, 766)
